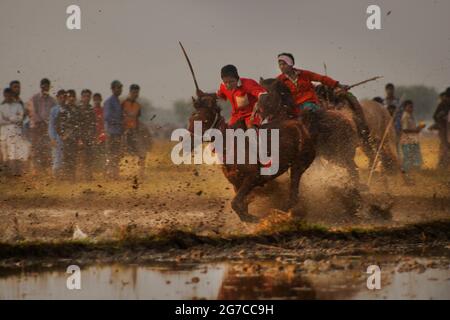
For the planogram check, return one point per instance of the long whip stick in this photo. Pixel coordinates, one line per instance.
(190, 66)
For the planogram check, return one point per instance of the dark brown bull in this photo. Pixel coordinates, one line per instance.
(335, 136)
(296, 153)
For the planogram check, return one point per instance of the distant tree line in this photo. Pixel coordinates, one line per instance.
(425, 99)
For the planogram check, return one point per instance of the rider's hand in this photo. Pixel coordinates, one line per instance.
(341, 89)
(200, 93)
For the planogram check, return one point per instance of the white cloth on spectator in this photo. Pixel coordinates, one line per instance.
(409, 123)
(12, 143)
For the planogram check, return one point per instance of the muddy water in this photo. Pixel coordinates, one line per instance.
(342, 278)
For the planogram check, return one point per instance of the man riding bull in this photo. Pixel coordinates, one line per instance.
(306, 102)
(243, 95)
(300, 84)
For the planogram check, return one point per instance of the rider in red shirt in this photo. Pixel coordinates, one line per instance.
(243, 95)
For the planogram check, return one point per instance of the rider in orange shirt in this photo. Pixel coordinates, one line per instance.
(131, 113)
(300, 83)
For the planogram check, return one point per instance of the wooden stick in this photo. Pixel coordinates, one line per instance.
(374, 164)
(190, 66)
(363, 82)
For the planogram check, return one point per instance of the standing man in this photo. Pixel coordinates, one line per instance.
(55, 139)
(15, 89)
(67, 128)
(391, 102)
(113, 116)
(390, 98)
(87, 130)
(39, 108)
(14, 148)
(440, 117)
(132, 132)
(100, 136)
(131, 113)
(409, 140)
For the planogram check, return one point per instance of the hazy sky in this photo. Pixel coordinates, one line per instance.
(137, 41)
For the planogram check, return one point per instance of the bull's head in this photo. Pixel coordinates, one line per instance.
(206, 110)
(279, 98)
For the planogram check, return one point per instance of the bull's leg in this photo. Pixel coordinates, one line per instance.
(351, 196)
(239, 203)
(296, 173)
(306, 159)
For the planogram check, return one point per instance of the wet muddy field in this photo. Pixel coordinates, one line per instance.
(173, 235)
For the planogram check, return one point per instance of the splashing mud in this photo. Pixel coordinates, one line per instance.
(182, 215)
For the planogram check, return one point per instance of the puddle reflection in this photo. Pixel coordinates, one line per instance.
(224, 281)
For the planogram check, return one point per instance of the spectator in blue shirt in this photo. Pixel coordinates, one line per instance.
(55, 139)
(113, 117)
